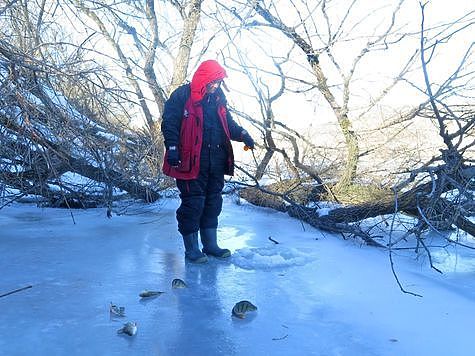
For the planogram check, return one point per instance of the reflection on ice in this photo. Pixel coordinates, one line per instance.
(233, 238)
(453, 262)
(454, 258)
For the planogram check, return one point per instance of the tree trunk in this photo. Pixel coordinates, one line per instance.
(339, 219)
(182, 60)
(64, 161)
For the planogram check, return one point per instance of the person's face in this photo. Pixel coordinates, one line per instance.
(213, 86)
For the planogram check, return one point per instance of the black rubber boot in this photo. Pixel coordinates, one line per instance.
(209, 238)
(192, 249)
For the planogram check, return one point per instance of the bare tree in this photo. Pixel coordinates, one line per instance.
(61, 115)
(318, 41)
(294, 147)
(133, 80)
(65, 112)
(424, 190)
(43, 137)
(73, 80)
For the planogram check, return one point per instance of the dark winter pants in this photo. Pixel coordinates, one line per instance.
(201, 200)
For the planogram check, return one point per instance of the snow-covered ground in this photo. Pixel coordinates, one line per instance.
(316, 293)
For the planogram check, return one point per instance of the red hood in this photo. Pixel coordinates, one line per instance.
(207, 72)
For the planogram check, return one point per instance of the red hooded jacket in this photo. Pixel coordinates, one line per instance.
(183, 113)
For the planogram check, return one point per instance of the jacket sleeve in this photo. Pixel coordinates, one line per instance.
(234, 129)
(172, 116)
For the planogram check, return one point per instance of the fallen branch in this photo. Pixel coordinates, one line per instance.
(280, 338)
(15, 291)
(274, 241)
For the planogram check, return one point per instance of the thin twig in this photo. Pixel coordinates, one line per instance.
(396, 208)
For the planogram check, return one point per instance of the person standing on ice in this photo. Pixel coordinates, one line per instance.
(198, 129)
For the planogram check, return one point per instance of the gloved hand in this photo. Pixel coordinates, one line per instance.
(247, 139)
(173, 156)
